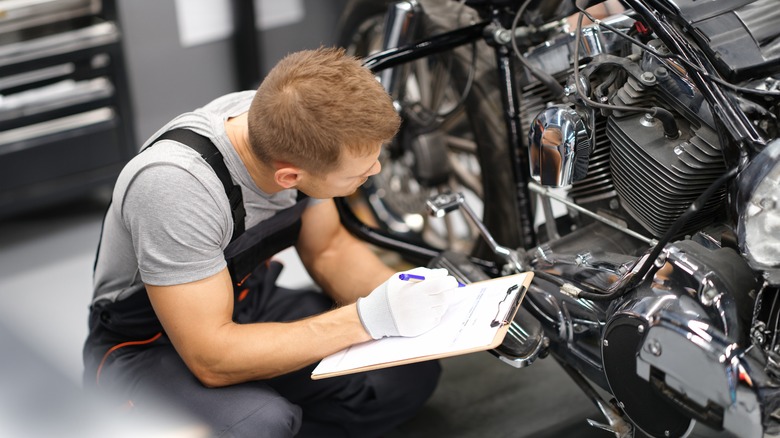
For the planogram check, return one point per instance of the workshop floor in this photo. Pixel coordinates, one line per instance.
(46, 262)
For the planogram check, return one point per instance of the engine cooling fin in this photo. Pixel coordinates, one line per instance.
(598, 184)
(657, 179)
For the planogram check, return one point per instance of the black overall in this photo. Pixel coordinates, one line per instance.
(128, 353)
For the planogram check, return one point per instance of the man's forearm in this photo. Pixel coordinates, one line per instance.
(349, 271)
(245, 352)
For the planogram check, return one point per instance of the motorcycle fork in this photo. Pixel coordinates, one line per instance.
(401, 24)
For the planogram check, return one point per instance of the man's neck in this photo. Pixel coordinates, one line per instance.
(238, 134)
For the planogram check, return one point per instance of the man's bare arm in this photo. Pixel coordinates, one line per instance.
(345, 267)
(197, 317)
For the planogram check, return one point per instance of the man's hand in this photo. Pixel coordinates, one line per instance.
(406, 308)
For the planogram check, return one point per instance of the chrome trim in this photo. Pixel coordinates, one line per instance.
(747, 183)
(704, 366)
(400, 27)
(558, 147)
(544, 191)
(441, 204)
(520, 362)
(555, 55)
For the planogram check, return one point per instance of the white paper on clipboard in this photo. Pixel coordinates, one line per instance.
(467, 326)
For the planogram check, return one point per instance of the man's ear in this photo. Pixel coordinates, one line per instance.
(287, 176)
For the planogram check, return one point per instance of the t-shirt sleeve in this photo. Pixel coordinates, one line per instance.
(179, 224)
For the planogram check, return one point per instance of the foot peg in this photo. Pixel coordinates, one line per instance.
(443, 203)
(525, 340)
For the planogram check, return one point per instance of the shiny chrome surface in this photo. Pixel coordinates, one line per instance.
(691, 335)
(555, 55)
(677, 88)
(400, 27)
(758, 205)
(704, 366)
(545, 192)
(593, 266)
(558, 147)
(441, 204)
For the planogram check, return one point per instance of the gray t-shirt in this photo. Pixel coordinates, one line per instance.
(169, 220)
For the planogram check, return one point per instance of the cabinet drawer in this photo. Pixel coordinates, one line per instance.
(59, 147)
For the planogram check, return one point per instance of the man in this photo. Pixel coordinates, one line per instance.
(185, 305)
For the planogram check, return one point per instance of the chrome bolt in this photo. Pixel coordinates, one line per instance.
(654, 347)
(666, 433)
(503, 36)
(614, 204)
(583, 258)
(648, 120)
(640, 328)
(767, 203)
(709, 295)
(661, 72)
(605, 343)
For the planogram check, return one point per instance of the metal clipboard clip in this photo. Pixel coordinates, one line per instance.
(515, 302)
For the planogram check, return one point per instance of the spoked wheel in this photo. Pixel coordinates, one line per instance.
(444, 109)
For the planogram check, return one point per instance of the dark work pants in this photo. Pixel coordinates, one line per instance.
(358, 405)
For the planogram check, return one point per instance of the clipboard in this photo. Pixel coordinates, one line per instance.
(477, 320)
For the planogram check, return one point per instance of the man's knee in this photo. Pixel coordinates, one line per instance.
(422, 381)
(275, 418)
(407, 387)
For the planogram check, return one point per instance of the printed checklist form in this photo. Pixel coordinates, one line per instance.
(477, 319)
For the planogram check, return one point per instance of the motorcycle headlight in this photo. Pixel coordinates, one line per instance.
(758, 198)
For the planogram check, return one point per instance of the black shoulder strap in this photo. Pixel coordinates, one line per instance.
(213, 157)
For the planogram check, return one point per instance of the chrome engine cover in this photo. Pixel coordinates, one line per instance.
(674, 348)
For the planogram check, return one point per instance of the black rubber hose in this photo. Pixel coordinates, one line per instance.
(668, 122)
(696, 206)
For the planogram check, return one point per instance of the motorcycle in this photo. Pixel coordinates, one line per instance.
(631, 163)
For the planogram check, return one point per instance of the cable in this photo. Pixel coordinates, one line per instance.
(472, 70)
(544, 77)
(674, 56)
(667, 237)
(666, 118)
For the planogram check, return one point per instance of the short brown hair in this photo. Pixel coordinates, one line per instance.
(312, 104)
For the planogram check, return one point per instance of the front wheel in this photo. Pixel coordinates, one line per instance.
(453, 138)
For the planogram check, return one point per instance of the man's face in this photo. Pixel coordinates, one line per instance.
(345, 180)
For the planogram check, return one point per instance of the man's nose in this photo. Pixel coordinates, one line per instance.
(375, 169)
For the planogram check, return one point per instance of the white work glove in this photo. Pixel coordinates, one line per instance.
(406, 308)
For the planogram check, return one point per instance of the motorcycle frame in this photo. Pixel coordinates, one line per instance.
(440, 43)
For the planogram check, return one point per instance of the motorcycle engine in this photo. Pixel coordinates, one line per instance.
(635, 172)
(668, 348)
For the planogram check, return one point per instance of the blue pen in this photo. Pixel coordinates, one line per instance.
(408, 277)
